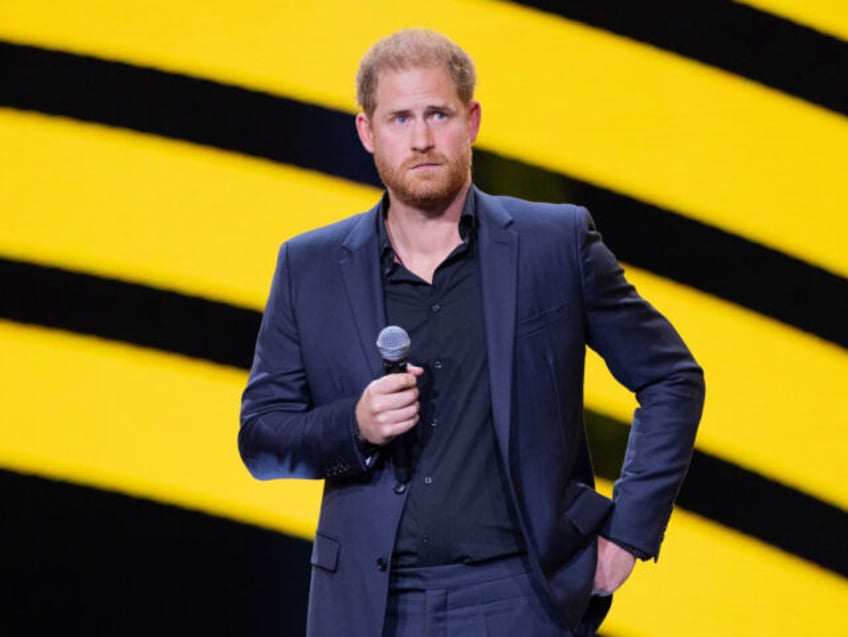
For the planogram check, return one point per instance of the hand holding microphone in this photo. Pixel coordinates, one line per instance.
(389, 405)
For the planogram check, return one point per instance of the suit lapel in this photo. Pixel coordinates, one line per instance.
(498, 279)
(360, 270)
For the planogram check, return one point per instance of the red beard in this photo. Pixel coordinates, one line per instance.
(431, 190)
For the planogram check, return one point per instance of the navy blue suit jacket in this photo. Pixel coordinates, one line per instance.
(550, 288)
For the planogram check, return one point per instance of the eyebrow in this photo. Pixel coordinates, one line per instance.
(428, 109)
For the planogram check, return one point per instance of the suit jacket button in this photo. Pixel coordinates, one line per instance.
(382, 565)
(400, 487)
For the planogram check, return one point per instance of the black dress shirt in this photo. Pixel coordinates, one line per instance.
(458, 508)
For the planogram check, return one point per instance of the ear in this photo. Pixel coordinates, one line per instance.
(474, 115)
(363, 128)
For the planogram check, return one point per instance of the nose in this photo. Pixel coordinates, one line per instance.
(422, 136)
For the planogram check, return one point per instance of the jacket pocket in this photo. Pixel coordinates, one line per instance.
(325, 553)
(540, 317)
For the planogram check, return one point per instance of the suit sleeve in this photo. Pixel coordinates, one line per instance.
(644, 353)
(283, 433)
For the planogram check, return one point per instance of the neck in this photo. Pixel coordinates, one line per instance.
(422, 239)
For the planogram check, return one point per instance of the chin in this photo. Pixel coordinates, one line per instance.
(430, 200)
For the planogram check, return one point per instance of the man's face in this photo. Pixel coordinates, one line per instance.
(421, 134)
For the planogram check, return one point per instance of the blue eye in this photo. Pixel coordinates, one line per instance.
(402, 119)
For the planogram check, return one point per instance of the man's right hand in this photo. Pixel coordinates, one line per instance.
(389, 406)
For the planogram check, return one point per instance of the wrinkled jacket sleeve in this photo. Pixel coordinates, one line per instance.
(283, 433)
(645, 354)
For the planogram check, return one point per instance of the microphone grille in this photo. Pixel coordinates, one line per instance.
(393, 343)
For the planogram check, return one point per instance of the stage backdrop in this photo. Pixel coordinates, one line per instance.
(153, 156)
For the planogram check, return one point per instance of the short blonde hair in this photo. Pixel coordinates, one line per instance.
(408, 49)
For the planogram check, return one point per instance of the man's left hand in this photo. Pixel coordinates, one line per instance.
(614, 566)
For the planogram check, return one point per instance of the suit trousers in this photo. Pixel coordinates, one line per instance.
(496, 599)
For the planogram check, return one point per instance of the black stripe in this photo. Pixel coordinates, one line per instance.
(292, 132)
(135, 314)
(760, 46)
(768, 510)
(181, 107)
(80, 561)
(195, 327)
(740, 499)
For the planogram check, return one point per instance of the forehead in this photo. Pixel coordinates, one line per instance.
(415, 87)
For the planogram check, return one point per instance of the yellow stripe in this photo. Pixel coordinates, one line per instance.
(614, 112)
(140, 422)
(160, 426)
(776, 400)
(164, 213)
(209, 223)
(827, 16)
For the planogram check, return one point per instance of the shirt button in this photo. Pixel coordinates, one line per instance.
(437, 364)
(428, 480)
(434, 422)
(436, 307)
(382, 565)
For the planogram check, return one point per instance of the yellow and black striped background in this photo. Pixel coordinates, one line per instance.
(154, 154)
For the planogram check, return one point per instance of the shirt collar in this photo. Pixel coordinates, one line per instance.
(467, 226)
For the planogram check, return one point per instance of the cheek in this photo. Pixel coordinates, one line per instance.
(458, 150)
(387, 146)
(458, 139)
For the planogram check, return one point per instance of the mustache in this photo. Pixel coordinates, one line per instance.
(430, 158)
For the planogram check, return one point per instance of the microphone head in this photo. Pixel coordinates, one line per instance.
(393, 343)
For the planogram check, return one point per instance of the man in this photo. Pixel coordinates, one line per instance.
(459, 495)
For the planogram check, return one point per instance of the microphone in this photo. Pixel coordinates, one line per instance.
(393, 343)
